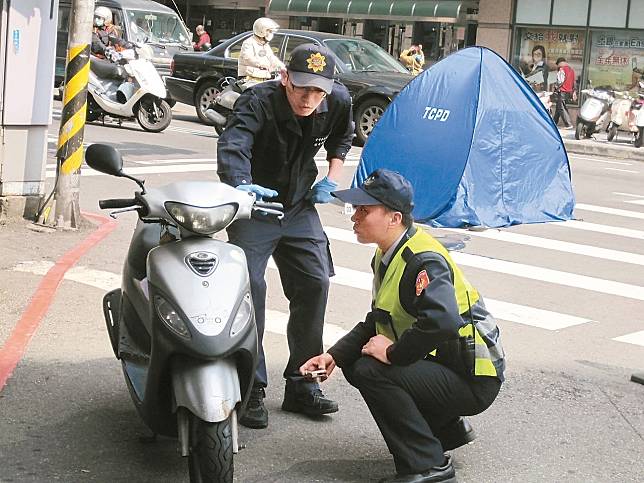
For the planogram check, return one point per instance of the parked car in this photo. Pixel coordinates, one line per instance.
(372, 76)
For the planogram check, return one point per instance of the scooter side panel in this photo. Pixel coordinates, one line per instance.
(209, 390)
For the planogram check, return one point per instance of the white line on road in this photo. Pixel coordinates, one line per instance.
(531, 272)
(635, 202)
(636, 338)
(623, 170)
(521, 314)
(549, 244)
(275, 321)
(595, 227)
(610, 211)
(619, 193)
(594, 160)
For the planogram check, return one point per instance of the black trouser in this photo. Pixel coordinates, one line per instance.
(561, 109)
(412, 403)
(300, 249)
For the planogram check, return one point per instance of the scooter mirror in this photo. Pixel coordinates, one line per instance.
(105, 159)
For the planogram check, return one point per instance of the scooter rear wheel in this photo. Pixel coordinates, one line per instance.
(639, 138)
(612, 131)
(211, 451)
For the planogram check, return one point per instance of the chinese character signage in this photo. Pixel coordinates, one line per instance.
(616, 59)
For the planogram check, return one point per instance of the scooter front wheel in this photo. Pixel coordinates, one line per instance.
(211, 451)
(579, 130)
(612, 131)
(154, 115)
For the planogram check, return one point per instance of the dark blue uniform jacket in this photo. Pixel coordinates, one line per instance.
(266, 144)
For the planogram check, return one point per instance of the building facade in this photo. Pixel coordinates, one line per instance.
(602, 41)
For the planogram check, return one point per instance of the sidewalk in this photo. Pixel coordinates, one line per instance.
(620, 148)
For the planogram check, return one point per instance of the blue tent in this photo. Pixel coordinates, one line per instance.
(476, 143)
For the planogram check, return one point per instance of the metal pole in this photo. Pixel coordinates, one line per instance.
(72, 122)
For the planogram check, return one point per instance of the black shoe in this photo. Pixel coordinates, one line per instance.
(444, 473)
(311, 403)
(456, 435)
(256, 414)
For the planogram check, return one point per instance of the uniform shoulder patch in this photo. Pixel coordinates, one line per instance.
(422, 282)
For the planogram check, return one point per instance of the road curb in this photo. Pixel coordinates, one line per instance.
(594, 148)
(15, 346)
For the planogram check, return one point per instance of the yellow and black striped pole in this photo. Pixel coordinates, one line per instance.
(72, 123)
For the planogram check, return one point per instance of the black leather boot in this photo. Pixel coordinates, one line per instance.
(256, 415)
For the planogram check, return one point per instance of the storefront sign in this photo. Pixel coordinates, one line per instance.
(556, 43)
(616, 59)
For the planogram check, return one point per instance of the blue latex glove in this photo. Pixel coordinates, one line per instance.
(419, 58)
(260, 191)
(321, 191)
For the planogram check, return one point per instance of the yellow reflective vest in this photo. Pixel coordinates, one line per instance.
(386, 297)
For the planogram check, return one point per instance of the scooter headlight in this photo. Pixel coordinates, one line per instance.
(242, 317)
(170, 317)
(204, 221)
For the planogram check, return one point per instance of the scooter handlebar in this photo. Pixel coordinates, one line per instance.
(116, 203)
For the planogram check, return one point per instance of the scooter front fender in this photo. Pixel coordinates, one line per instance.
(208, 389)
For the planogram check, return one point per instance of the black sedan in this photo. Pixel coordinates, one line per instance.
(372, 75)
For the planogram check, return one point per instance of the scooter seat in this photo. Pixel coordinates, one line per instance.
(105, 69)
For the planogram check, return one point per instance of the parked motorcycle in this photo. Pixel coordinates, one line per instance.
(125, 86)
(594, 113)
(222, 108)
(639, 120)
(183, 324)
(623, 115)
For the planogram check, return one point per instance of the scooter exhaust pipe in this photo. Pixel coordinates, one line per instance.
(215, 117)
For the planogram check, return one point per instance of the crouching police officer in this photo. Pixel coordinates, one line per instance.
(268, 148)
(428, 353)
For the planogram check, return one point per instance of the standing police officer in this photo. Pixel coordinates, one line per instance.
(268, 148)
(429, 351)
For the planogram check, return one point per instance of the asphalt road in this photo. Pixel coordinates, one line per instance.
(569, 296)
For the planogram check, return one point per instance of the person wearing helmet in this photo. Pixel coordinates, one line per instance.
(105, 33)
(269, 148)
(257, 61)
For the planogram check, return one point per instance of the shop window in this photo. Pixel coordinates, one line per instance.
(616, 59)
(608, 14)
(533, 11)
(636, 16)
(570, 12)
(540, 72)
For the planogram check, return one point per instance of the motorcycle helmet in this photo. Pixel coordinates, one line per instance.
(264, 28)
(102, 16)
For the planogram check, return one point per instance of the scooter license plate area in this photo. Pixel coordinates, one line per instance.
(208, 301)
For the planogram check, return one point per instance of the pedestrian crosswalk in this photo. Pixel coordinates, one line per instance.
(529, 313)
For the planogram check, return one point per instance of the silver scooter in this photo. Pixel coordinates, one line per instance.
(183, 324)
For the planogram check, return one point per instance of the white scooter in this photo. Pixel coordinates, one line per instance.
(623, 112)
(594, 112)
(639, 120)
(127, 86)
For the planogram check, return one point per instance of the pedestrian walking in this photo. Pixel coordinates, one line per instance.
(564, 92)
(268, 149)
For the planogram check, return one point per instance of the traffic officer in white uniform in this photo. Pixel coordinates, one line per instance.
(257, 61)
(428, 353)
